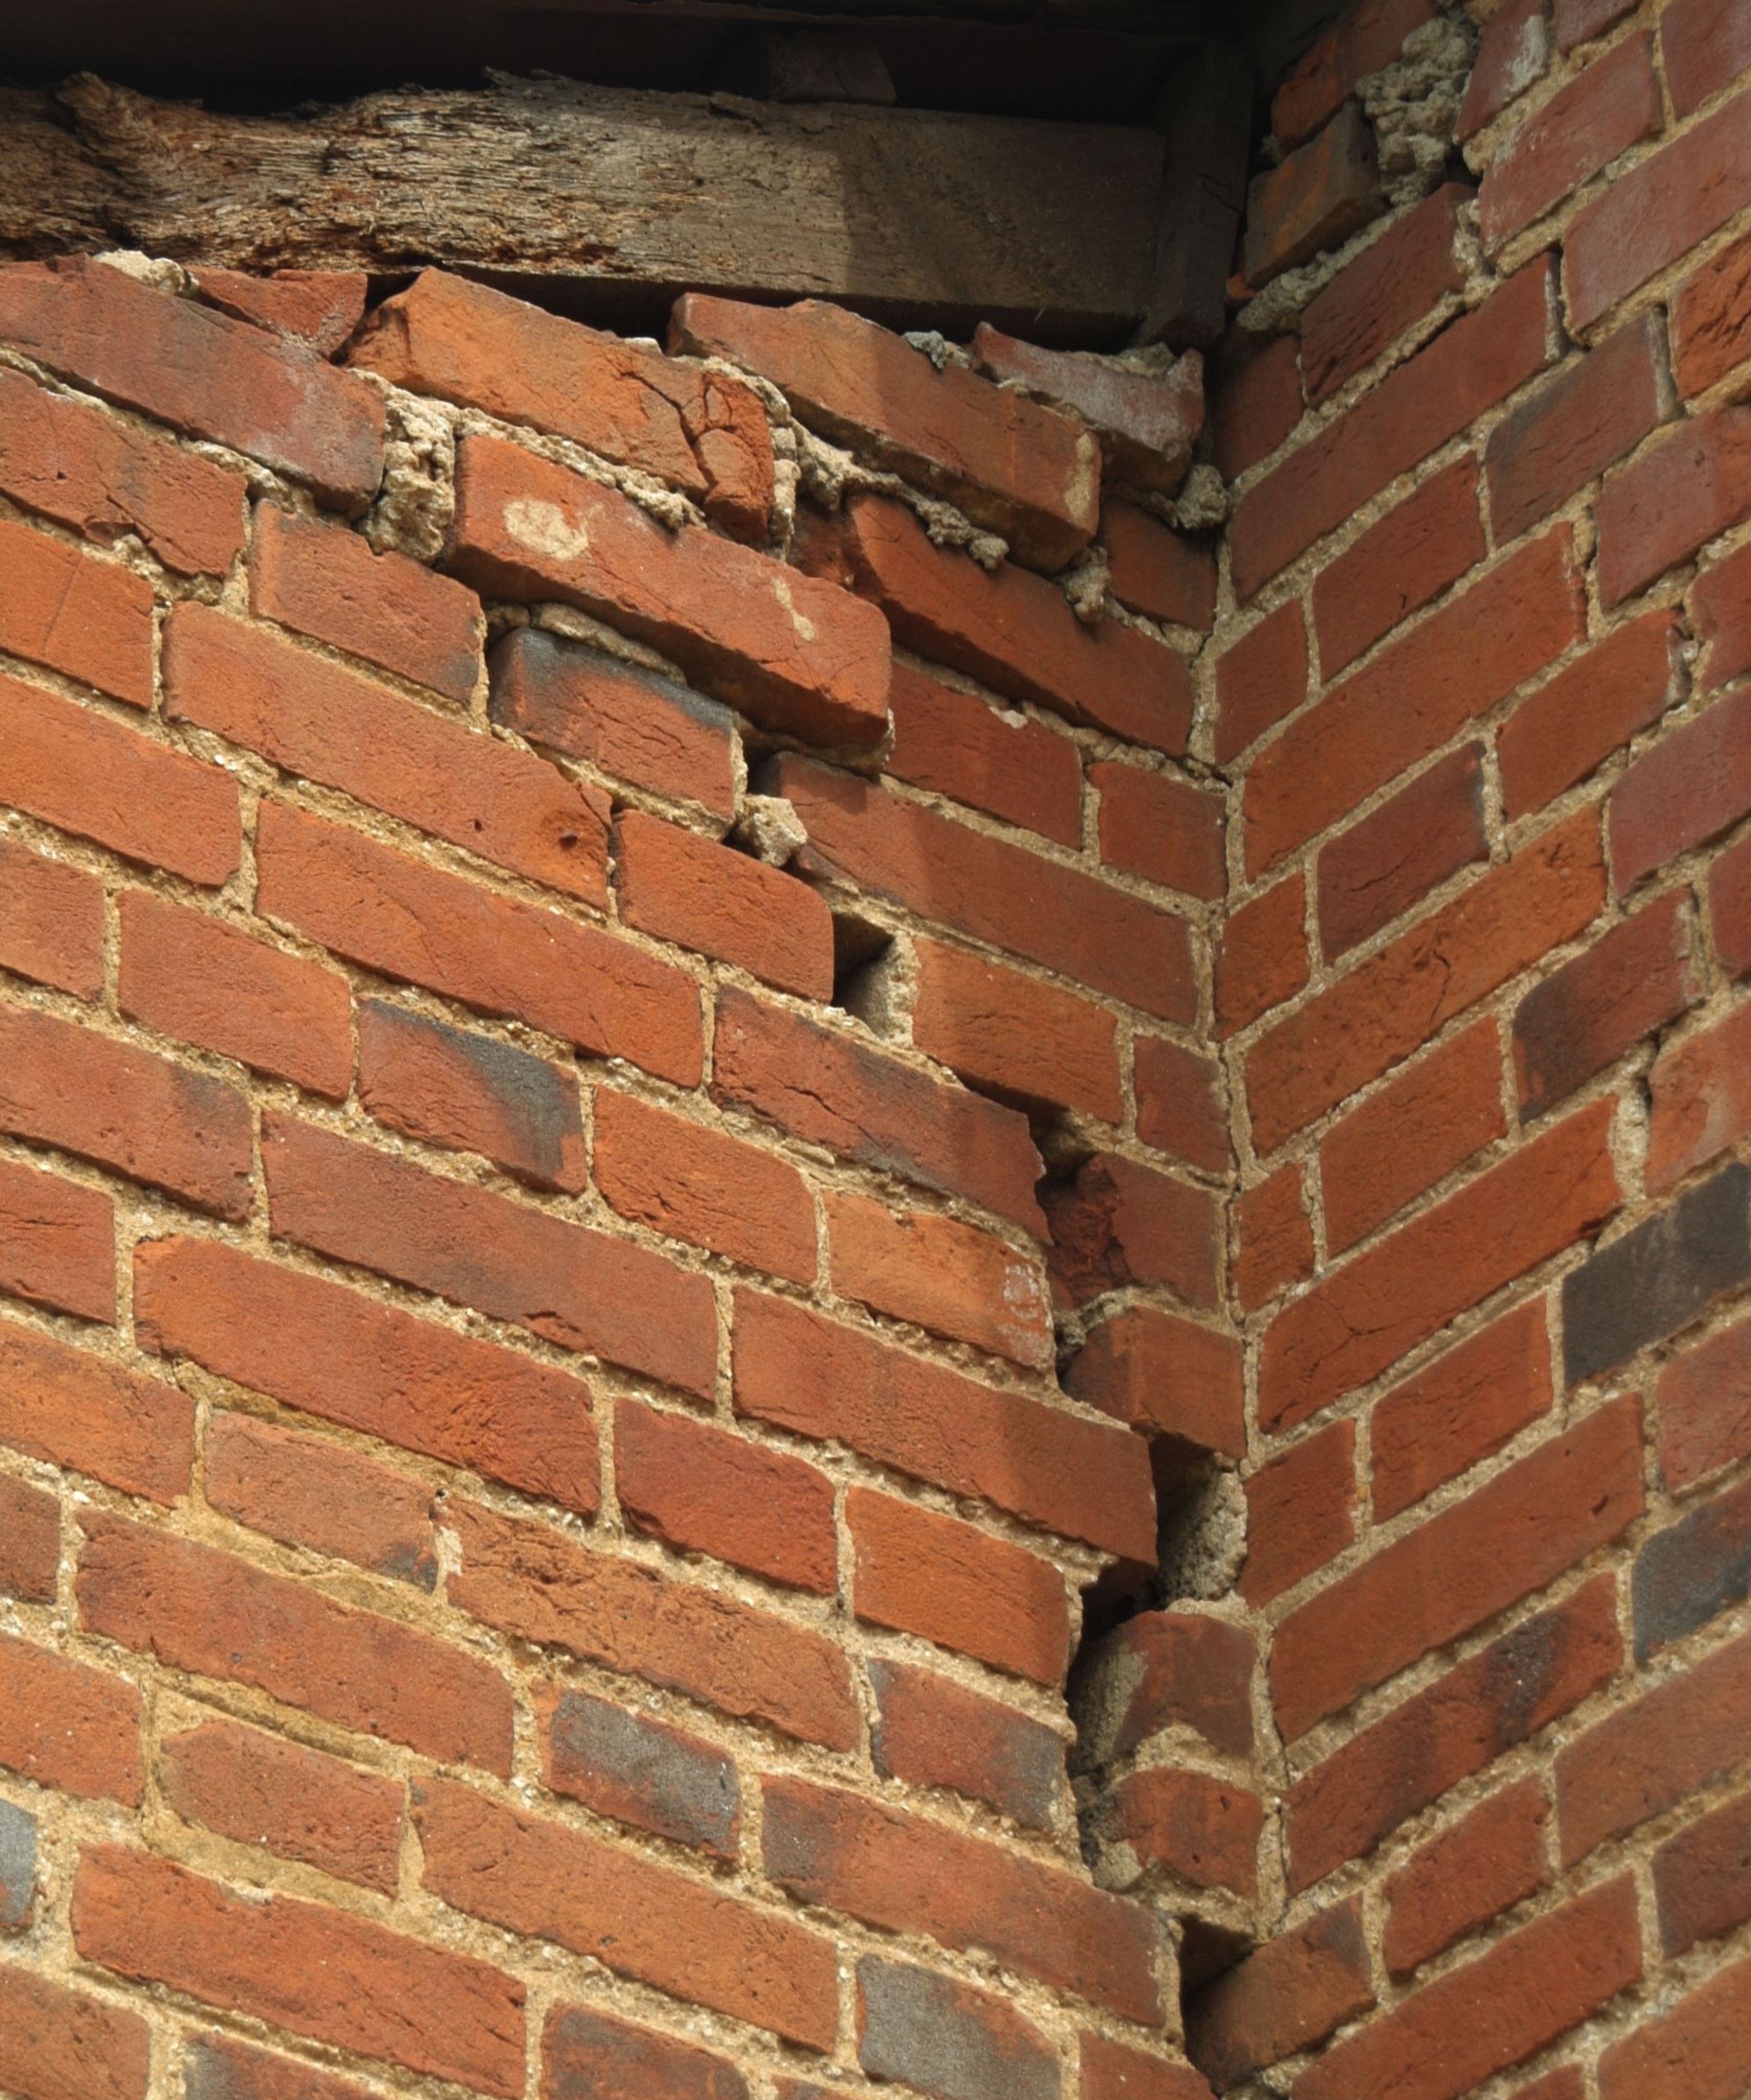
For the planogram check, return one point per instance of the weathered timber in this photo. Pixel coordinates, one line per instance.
(896, 212)
(1203, 114)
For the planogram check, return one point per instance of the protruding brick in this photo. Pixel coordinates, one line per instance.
(1162, 829)
(1391, 286)
(90, 1416)
(1118, 1223)
(1394, 856)
(1592, 707)
(51, 922)
(1148, 421)
(1706, 1408)
(57, 1242)
(1317, 197)
(931, 1732)
(1688, 788)
(1157, 572)
(1027, 1042)
(1260, 678)
(1284, 1995)
(67, 2045)
(1399, 565)
(585, 2052)
(1601, 113)
(640, 1770)
(30, 1541)
(1163, 1374)
(1301, 1513)
(1711, 320)
(1467, 1404)
(1512, 53)
(320, 307)
(947, 2040)
(1466, 1876)
(69, 1727)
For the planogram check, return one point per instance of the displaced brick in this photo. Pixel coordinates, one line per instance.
(1706, 1408)
(1117, 1222)
(1196, 1830)
(1260, 678)
(1148, 421)
(1315, 199)
(640, 1770)
(1711, 320)
(1687, 790)
(1601, 113)
(1466, 1876)
(1157, 570)
(1273, 1237)
(74, 1409)
(51, 922)
(321, 307)
(1029, 1043)
(931, 1732)
(30, 1541)
(586, 2053)
(1301, 1513)
(1286, 1996)
(1165, 1670)
(1699, 1093)
(1160, 1373)
(57, 1243)
(1262, 957)
(67, 2045)
(1692, 1570)
(947, 2040)
(1162, 829)
(1559, 734)
(1391, 286)
(1702, 1878)
(1399, 565)
(69, 1727)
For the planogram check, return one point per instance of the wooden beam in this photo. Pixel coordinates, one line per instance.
(1203, 114)
(1045, 227)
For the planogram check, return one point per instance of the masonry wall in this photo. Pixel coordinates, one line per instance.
(834, 1255)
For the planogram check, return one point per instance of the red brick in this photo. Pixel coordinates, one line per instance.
(694, 1183)
(1261, 959)
(57, 1243)
(1147, 421)
(1656, 212)
(1160, 1374)
(30, 1541)
(734, 620)
(1301, 1513)
(1601, 113)
(1391, 286)
(818, 1379)
(204, 375)
(87, 774)
(1465, 1720)
(1282, 1997)
(1529, 1525)
(1155, 570)
(948, 1277)
(1162, 829)
(66, 460)
(1388, 1006)
(1512, 53)
(1201, 1831)
(583, 2052)
(1659, 511)
(1729, 906)
(1367, 36)
(1390, 861)
(1632, 981)
(1705, 44)
(700, 1490)
(301, 1966)
(84, 1412)
(1313, 200)
(291, 1800)
(898, 1870)
(466, 343)
(1470, 366)
(1012, 465)
(1029, 1043)
(205, 981)
(990, 759)
(308, 1491)
(1701, 1878)
(1413, 696)
(64, 2045)
(1586, 419)
(1255, 402)
(1179, 1108)
(1525, 1991)
(1689, 788)
(1563, 2084)
(333, 1353)
(940, 1578)
(51, 922)
(1162, 1670)
(69, 1727)
(212, 1614)
(1720, 615)
(1465, 1405)
(427, 927)
(723, 904)
(1118, 1223)
(1466, 1876)
(216, 2067)
(1020, 901)
(1698, 2051)
(1711, 320)
(627, 722)
(1701, 1099)
(543, 1585)
(1399, 566)
(1558, 735)
(1259, 679)
(1411, 1134)
(1273, 1241)
(943, 2039)
(325, 582)
(931, 1732)
(831, 1087)
(320, 307)
(1108, 2071)
(77, 613)
(638, 1771)
(163, 1124)
(1015, 632)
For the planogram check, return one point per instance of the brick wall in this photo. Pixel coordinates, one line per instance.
(831, 1255)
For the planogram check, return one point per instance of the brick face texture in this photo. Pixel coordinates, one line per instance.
(587, 1412)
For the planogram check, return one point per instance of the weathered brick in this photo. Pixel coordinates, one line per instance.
(942, 1275)
(69, 1727)
(67, 2045)
(1706, 1407)
(1160, 1373)
(1659, 510)
(292, 1801)
(1155, 570)
(1261, 956)
(1467, 1404)
(631, 723)
(1729, 908)
(829, 1086)
(57, 1243)
(1698, 2051)
(1702, 1878)
(427, 926)
(202, 979)
(1465, 1720)
(1391, 286)
(64, 460)
(1313, 200)
(1147, 421)
(1581, 21)
(640, 1770)
(1512, 53)
(931, 1732)
(1162, 829)
(1301, 1513)
(1272, 1236)
(947, 2040)
(586, 2054)
(1255, 401)
(1658, 1278)
(1160, 1670)
(51, 922)
(1117, 1222)
(198, 371)
(30, 1541)
(1505, 1541)
(216, 2067)
(1109, 2071)
(1478, 361)
(634, 1916)
(1687, 790)
(541, 1585)
(898, 1870)
(87, 774)
(1028, 1043)
(1282, 1997)
(320, 307)
(1394, 856)
(1720, 614)
(1592, 707)
(1015, 632)
(1014, 466)
(1195, 1829)
(1692, 1570)
(78, 1410)
(723, 904)
(1526, 1990)
(1179, 1108)
(942, 1579)
(1366, 37)
(1601, 113)
(1260, 678)
(394, 612)
(1466, 1876)
(1413, 696)
(992, 759)
(1705, 44)
(1711, 320)
(734, 620)
(1399, 565)
(381, 1995)
(308, 1491)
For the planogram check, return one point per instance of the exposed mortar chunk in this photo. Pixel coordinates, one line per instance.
(416, 504)
(1414, 103)
(770, 828)
(159, 271)
(830, 474)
